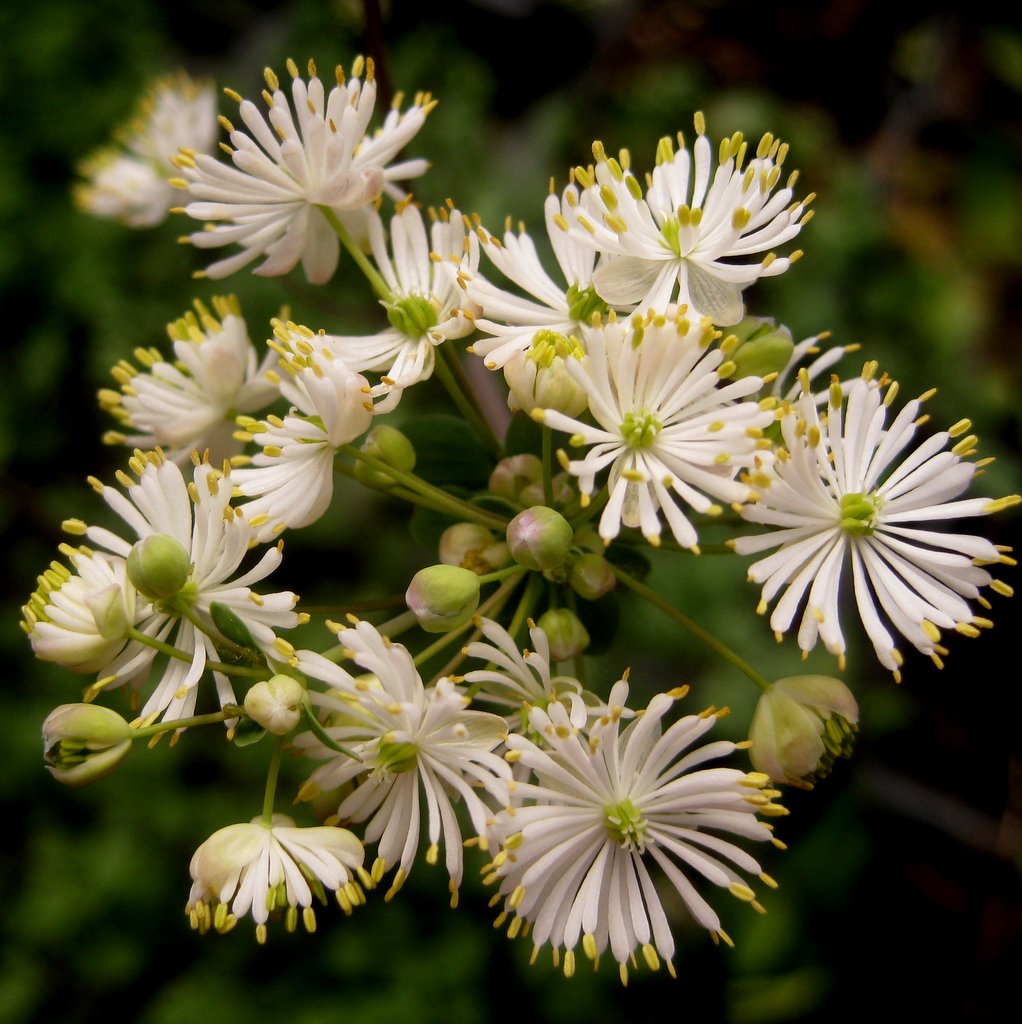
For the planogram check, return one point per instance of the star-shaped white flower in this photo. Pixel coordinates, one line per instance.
(262, 869)
(847, 488)
(131, 182)
(192, 404)
(304, 161)
(406, 744)
(686, 237)
(607, 804)
(669, 429)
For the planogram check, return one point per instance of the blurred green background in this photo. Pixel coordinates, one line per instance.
(901, 888)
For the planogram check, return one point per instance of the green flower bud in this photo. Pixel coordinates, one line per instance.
(563, 491)
(276, 704)
(84, 742)
(158, 565)
(565, 632)
(801, 725)
(538, 377)
(539, 538)
(390, 446)
(472, 547)
(443, 597)
(762, 349)
(591, 576)
(512, 474)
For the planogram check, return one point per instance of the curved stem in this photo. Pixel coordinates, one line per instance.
(324, 737)
(380, 286)
(694, 628)
(271, 781)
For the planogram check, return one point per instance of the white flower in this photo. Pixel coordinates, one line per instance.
(294, 168)
(423, 307)
(192, 404)
(132, 184)
(406, 744)
(196, 520)
(667, 427)
(262, 869)
(580, 840)
(292, 478)
(837, 493)
(513, 321)
(682, 240)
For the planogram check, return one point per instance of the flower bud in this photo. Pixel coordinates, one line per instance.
(389, 445)
(84, 742)
(539, 538)
(763, 348)
(591, 576)
(801, 725)
(276, 704)
(512, 474)
(472, 547)
(565, 632)
(538, 378)
(443, 597)
(158, 565)
(563, 491)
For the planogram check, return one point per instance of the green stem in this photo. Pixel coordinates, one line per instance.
(532, 588)
(696, 630)
(451, 375)
(228, 711)
(380, 286)
(271, 781)
(548, 465)
(216, 666)
(324, 737)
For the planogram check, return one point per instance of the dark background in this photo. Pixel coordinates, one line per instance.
(901, 889)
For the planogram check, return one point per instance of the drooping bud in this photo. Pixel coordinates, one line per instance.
(591, 576)
(801, 725)
(84, 742)
(514, 473)
(276, 704)
(472, 547)
(443, 597)
(389, 445)
(539, 538)
(158, 566)
(567, 636)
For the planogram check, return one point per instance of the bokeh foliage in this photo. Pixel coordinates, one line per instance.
(904, 865)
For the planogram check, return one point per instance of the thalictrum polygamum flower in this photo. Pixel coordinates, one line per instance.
(192, 403)
(406, 744)
(261, 868)
(604, 807)
(685, 238)
(304, 161)
(847, 488)
(667, 427)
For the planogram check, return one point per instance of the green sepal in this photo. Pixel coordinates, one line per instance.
(247, 732)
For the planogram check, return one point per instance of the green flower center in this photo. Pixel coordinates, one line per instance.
(639, 429)
(414, 315)
(670, 230)
(547, 345)
(583, 303)
(858, 513)
(396, 757)
(626, 825)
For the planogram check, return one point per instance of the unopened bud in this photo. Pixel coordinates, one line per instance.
(562, 491)
(591, 576)
(389, 445)
(763, 348)
(276, 704)
(539, 538)
(84, 742)
(565, 632)
(514, 473)
(443, 597)
(538, 378)
(472, 547)
(158, 565)
(801, 725)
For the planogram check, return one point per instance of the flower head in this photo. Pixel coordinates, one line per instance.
(131, 182)
(405, 743)
(666, 425)
(191, 404)
(265, 869)
(837, 493)
(302, 163)
(685, 238)
(607, 804)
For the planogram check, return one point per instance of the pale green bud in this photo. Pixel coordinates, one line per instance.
(158, 565)
(514, 473)
(539, 538)
(801, 725)
(112, 609)
(567, 636)
(562, 491)
(540, 383)
(591, 576)
(276, 704)
(763, 348)
(472, 547)
(443, 597)
(390, 446)
(84, 742)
